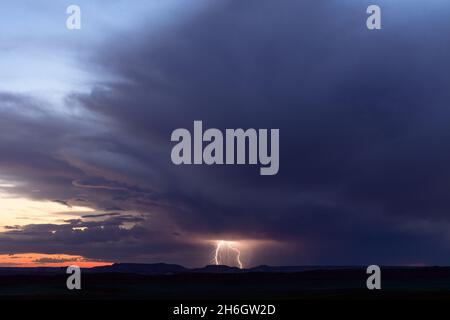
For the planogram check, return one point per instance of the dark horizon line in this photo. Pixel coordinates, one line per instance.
(307, 266)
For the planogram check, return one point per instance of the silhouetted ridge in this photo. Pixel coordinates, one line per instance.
(141, 268)
(291, 269)
(217, 269)
(165, 268)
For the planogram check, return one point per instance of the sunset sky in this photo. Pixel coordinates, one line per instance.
(86, 116)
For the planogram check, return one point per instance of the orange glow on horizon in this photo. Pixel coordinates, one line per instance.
(18, 210)
(31, 260)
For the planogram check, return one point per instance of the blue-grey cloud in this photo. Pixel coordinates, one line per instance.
(362, 117)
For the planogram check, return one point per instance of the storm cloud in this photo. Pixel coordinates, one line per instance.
(364, 138)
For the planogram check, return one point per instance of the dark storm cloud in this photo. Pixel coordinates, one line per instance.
(53, 156)
(363, 121)
(108, 240)
(100, 215)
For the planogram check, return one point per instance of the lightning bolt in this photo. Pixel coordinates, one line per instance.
(227, 245)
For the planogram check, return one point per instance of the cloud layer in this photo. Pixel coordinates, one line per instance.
(364, 139)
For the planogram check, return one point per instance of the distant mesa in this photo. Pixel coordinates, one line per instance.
(164, 268)
(218, 269)
(167, 269)
(140, 268)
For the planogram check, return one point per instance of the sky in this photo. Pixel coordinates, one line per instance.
(86, 117)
